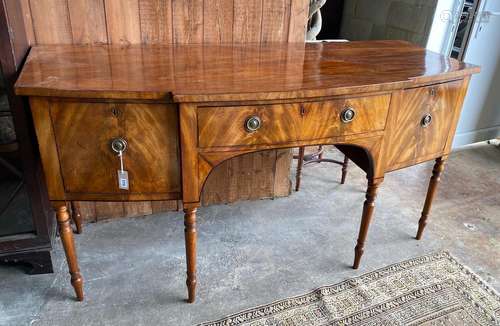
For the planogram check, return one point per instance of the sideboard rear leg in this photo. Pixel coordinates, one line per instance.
(344, 169)
(368, 208)
(431, 191)
(77, 217)
(300, 163)
(190, 238)
(66, 233)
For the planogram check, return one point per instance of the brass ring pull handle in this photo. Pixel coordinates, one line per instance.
(426, 120)
(253, 124)
(347, 115)
(119, 145)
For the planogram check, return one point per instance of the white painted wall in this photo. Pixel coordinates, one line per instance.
(443, 25)
(480, 119)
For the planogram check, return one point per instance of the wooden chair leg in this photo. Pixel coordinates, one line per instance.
(300, 164)
(66, 233)
(431, 191)
(320, 150)
(368, 208)
(344, 169)
(190, 238)
(77, 217)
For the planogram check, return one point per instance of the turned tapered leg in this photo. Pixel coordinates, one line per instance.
(77, 217)
(431, 191)
(66, 233)
(320, 151)
(300, 163)
(190, 238)
(344, 169)
(368, 208)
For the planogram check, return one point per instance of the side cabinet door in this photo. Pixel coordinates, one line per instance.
(420, 122)
(440, 111)
(84, 131)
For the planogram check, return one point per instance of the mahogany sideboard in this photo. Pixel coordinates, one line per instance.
(172, 113)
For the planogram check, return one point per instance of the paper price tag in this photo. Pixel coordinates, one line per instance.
(123, 180)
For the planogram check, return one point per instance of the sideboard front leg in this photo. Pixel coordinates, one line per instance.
(368, 207)
(190, 238)
(66, 233)
(431, 191)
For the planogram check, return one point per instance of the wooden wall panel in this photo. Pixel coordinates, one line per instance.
(156, 21)
(106, 210)
(164, 21)
(83, 29)
(246, 177)
(275, 21)
(19, 43)
(247, 21)
(51, 22)
(137, 208)
(299, 12)
(27, 20)
(218, 21)
(258, 175)
(282, 183)
(187, 21)
(123, 21)
(87, 210)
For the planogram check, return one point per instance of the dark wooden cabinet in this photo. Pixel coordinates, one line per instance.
(26, 221)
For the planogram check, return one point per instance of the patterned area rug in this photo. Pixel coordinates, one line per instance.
(429, 290)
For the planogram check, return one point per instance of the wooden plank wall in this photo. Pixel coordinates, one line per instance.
(258, 175)
(164, 21)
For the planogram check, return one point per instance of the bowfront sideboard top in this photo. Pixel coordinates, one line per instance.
(199, 73)
(152, 122)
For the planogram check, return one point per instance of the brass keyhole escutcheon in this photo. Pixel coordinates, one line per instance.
(426, 120)
(119, 145)
(347, 115)
(116, 112)
(253, 124)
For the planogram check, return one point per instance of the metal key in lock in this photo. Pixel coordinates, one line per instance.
(119, 145)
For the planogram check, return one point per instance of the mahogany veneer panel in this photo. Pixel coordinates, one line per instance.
(410, 106)
(282, 123)
(83, 132)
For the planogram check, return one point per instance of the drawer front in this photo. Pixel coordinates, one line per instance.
(84, 132)
(284, 123)
(423, 119)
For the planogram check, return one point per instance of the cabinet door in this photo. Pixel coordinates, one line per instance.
(84, 132)
(420, 123)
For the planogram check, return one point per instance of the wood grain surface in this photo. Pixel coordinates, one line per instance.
(406, 124)
(401, 115)
(152, 139)
(282, 123)
(233, 72)
(170, 21)
(164, 21)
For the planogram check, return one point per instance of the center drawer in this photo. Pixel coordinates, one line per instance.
(284, 123)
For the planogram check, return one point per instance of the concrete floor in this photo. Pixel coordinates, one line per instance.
(252, 253)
